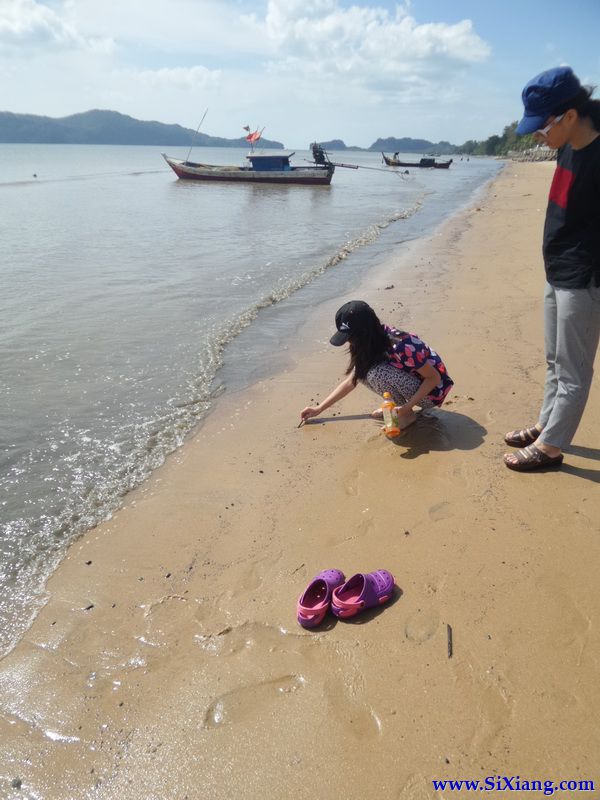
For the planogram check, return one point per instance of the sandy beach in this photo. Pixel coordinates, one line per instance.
(167, 662)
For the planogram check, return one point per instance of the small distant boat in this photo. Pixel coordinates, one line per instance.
(430, 163)
(263, 168)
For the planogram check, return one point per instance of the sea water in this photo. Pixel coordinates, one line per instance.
(122, 291)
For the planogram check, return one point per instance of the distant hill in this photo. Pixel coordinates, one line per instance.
(338, 144)
(110, 127)
(407, 145)
(107, 127)
(391, 144)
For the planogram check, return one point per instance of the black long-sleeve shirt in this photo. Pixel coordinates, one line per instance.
(572, 228)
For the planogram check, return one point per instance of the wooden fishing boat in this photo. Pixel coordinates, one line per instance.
(263, 168)
(430, 163)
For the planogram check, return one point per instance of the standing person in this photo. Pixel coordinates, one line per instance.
(386, 360)
(562, 115)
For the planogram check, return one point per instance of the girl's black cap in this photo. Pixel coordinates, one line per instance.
(352, 318)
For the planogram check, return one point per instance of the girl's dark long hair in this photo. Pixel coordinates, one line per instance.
(584, 104)
(367, 348)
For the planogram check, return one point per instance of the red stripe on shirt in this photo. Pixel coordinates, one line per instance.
(561, 186)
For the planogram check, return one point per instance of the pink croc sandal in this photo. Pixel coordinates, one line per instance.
(314, 603)
(362, 592)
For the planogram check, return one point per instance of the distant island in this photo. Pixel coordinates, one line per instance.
(107, 127)
(111, 127)
(406, 145)
(338, 144)
(393, 145)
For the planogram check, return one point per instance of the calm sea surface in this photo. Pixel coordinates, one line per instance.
(120, 291)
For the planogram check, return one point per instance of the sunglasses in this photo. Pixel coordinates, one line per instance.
(545, 131)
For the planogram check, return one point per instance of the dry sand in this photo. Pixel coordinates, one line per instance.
(167, 662)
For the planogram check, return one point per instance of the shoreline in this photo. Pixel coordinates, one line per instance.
(168, 662)
(251, 346)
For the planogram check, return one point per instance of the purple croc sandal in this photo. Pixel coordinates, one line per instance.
(361, 592)
(314, 603)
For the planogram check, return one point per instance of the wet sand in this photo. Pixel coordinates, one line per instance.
(167, 662)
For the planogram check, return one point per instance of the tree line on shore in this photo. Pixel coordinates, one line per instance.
(494, 145)
(501, 145)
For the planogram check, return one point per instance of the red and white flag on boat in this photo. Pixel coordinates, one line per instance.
(255, 136)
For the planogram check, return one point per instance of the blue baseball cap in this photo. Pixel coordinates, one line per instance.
(544, 94)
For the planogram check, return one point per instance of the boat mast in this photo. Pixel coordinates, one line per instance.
(197, 131)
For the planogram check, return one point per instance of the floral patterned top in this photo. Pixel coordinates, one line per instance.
(410, 353)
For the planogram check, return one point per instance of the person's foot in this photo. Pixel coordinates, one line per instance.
(535, 456)
(548, 449)
(523, 437)
(406, 418)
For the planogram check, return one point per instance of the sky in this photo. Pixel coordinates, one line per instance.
(304, 70)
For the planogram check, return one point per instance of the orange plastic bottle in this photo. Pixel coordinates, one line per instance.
(390, 417)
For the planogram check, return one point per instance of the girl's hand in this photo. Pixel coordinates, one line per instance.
(344, 388)
(308, 412)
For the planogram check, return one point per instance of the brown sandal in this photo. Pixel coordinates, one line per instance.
(522, 438)
(531, 458)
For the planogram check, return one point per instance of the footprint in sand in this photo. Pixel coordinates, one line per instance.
(440, 511)
(168, 619)
(491, 695)
(421, 626)
(355, 718)
(352, 483)
(361, 530)
(249, 701)
(323, 672)
(572, 635)
(248, 636)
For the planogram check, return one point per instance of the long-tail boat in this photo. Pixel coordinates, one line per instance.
(430, 163)
(263, 168)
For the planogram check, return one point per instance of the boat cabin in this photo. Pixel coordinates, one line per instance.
(270, 162)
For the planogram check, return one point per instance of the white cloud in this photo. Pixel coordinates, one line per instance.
(187, 78)
(30, 24)
(169, 27)
(305, 68)
(369, 46)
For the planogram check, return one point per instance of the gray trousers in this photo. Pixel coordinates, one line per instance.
(571, 333)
